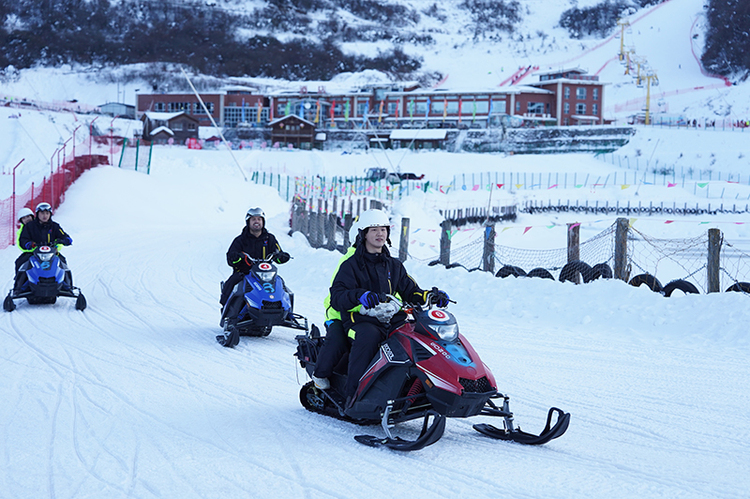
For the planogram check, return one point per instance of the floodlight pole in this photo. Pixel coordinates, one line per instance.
(205, 110)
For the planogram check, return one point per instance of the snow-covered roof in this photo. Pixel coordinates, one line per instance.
(418, 134)
(160, 129)
(161, 116)
(303, 120)
(584, 117)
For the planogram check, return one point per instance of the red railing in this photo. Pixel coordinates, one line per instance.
(64, 170)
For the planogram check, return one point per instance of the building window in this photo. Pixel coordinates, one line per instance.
(518, 106)
(581, 93)
(595, 109)
(176, 107)
(535, 108)
(566, 92)
(595, 93)
(581, 109)
(191, 127)
(566, 108)
(198, 109)
(159, 107)
(177, 126)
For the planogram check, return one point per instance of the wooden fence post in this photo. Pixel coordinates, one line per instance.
(621, 250)
(348, 220)
(445, 243)
(331, 230)
(488, 254)
(574, 249)
(714, 255)
(403, 244)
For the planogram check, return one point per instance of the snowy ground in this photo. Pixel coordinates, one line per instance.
(134, 398)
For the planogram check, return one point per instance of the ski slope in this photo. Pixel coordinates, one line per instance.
(134, 398)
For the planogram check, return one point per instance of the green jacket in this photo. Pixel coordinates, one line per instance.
(331, 313)
(18, 241)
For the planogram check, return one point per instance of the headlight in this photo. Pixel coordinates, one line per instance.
(45, 257)
(447, 332)
(266, 276)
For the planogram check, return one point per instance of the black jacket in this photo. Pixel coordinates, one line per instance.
(257, 247)
(376, 272)
(36, 232)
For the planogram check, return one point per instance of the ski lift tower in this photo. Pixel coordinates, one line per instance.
(651, 79)
(622, 23)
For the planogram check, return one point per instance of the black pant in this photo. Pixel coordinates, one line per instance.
(334, 349)
(367, 339)
(229, 285)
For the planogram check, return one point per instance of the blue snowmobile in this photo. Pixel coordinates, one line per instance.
(258, 303)
(43, 278)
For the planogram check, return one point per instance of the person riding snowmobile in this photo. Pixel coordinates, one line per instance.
(40, 231)
(257, 242)
(360, 286)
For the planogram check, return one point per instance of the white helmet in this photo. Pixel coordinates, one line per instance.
(374, 218)
(353, 231)
(24, 212)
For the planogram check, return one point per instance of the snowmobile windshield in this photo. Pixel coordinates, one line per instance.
(266, 276)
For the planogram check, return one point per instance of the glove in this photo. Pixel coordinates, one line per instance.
(438, 297)
(242, 265)
(30, 245)
(370, 299)
(282, 257)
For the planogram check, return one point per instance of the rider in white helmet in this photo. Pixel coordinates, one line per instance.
(362, 283)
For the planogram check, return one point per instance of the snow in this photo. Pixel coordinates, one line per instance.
(134, 398)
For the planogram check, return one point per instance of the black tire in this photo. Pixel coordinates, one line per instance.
(510, 270)
(540, 272)
(684, 286)
(602, 270)
(743, 287)
(572, 269)
(649, 280)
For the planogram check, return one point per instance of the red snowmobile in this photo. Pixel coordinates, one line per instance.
(425, 370)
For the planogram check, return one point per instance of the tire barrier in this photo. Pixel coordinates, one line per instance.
(649, 280)
(742, 287)
(684, 286)
(509, 270)
(572, 270)
(602, 270)
(540, 272)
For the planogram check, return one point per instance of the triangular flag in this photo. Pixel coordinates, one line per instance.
(702, 184)
(670, 184)
(669, 221)
(624, 186)
(573, 225)
(552, 186)
(500, 186)
(476, 188)
(526, 230)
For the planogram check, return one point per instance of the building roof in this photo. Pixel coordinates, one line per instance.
(153, 115)
(160, 129)
(303, 120)
(419, 134)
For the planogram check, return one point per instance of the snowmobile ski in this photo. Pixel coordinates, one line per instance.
(516, 435)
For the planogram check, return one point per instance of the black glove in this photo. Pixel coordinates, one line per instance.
(370, 299)
(243, 265)
(282, 257)
(438, 297)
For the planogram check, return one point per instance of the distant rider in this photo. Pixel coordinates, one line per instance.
(40, 231)
(257, 242)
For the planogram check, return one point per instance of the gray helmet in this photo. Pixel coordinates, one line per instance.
(255, 212)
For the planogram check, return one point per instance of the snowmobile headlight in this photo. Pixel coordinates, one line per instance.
(45, 257)
(266, 276)
(446, 332)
